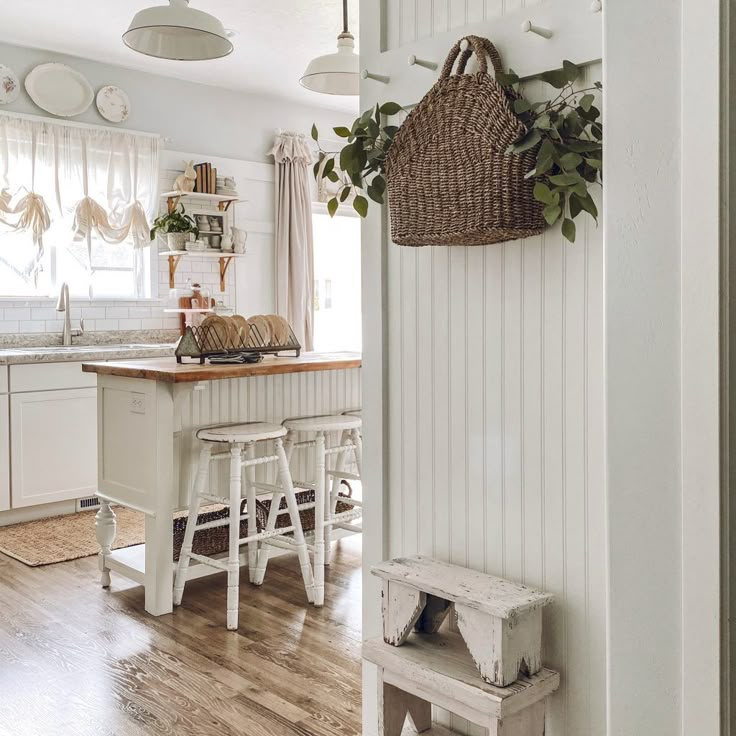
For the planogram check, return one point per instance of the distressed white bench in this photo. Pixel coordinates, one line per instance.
(500, 621)
(437, 669)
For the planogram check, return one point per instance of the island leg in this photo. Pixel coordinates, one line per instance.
(105, 530)
(159, 577)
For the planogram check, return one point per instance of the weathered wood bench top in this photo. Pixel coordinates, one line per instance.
(440, 663)
(477, 590)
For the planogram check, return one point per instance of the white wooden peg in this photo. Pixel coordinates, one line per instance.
(596, 6)
(528, 27)
(413, 61)
(365, 74)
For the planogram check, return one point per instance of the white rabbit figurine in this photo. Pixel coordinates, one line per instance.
(185, 182)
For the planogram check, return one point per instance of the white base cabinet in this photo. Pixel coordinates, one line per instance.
(4, 452)
(54, 445)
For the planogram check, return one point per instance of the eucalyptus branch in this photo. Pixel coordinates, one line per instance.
(565, 133)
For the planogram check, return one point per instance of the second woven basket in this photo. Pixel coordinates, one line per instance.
(450, 179)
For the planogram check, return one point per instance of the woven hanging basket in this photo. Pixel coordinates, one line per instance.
(450, 179)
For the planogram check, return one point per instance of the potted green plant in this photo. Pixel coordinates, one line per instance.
(176, 225)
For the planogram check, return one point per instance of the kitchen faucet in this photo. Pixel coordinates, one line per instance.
(62, 305)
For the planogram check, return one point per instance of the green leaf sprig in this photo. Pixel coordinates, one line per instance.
(359, 167)
(569, 134)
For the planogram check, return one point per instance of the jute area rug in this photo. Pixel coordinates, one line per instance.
(63, 538)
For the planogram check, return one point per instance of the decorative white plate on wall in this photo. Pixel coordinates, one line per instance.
(113, 104)
(59, 89)
(9, 85)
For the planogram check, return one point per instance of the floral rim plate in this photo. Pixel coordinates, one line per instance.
(113, 104)
(9, 85)
(59, 89)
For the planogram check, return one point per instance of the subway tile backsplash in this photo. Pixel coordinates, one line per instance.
(39, 315)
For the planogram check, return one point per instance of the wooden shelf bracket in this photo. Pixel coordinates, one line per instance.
(173, 264)
(224, 265)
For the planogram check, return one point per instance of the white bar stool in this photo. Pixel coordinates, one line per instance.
(237, 437)
(328, 518)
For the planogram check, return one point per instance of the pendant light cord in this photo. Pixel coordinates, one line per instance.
(345, 16)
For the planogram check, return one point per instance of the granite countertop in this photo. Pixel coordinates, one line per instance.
(46, 348)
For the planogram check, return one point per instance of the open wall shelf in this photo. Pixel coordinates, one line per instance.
(223, 202)
(175, 256)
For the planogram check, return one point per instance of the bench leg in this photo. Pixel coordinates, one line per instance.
(433, 615)
(501, 648)
(402, 606)
(393, 707)
(530, 722)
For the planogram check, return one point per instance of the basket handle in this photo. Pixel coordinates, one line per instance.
(481, 47)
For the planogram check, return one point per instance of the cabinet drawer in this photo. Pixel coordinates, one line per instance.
(3, 379)
(54, 446)
(49, 376)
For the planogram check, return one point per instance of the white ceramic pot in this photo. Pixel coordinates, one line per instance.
(176, 241)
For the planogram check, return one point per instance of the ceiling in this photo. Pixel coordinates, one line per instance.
(274, 40)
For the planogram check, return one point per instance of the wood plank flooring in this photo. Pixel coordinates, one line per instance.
(76, 660)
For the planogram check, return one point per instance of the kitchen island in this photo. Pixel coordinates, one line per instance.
(148, 412)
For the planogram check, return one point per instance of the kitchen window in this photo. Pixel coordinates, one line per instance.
(337, 307)
(75, 203)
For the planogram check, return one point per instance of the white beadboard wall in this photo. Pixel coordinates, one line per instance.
(494, 368)
(415, 20)
(265, 398)
(496, 425)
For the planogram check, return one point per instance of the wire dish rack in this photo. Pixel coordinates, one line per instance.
(211, 341)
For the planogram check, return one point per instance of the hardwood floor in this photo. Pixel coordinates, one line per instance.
(76, 660)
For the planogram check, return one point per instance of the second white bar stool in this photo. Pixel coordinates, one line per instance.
(238, 437)
(325, 516)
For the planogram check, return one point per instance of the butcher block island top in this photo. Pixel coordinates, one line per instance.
(167, 370)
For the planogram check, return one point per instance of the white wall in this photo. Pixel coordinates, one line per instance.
(492, 363)
(195, 117)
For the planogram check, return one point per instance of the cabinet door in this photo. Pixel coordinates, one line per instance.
(54, 446)
(4, 453)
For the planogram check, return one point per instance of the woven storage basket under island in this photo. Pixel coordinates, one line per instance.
(450, 178)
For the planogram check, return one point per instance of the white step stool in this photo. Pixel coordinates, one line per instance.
(437, 669)
(500, 621)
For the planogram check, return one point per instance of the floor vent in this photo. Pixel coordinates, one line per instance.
(85, 504)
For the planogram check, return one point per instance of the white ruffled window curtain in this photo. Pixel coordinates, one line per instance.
(85, 181)
(294, 239)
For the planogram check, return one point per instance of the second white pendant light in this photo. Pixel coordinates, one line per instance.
(338, 73)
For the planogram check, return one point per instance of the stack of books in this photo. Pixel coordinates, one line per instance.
(206, 179)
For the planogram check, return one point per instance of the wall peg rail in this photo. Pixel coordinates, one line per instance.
(414, 61)
(528, 27)
(365, 74)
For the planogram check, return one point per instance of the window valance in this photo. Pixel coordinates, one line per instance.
(103, 182)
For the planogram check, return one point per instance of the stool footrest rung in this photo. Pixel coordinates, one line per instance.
(265, 535)
(345, 516)
(219, 564)
(349, 528)
(282, 542)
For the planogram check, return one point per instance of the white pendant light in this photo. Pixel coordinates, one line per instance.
(338, 73)
(176, 31)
